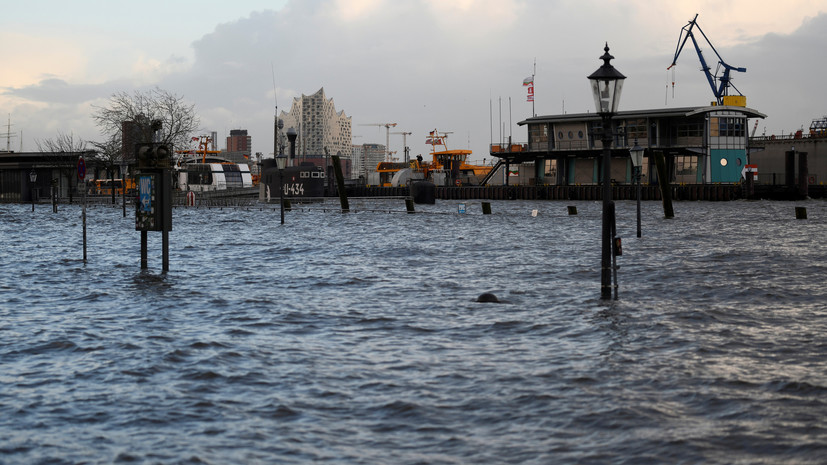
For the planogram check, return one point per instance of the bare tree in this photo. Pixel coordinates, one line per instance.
(155, 115)
(108, 155)
(63, 152)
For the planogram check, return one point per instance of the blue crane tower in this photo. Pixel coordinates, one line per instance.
(720, 84)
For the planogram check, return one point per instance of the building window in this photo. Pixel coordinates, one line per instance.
(691, 129)
(550, 171)
(686, 168)
(730, 127)
(637, 129)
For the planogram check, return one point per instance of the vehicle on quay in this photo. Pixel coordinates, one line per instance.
(105, 186)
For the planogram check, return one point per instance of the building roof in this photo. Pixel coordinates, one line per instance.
(653, 113)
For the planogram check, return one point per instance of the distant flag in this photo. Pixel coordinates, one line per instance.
(529, 83)
(195, 139)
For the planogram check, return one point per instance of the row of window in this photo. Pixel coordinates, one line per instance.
(638, 129)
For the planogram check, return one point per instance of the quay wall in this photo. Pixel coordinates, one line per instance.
(682, 192)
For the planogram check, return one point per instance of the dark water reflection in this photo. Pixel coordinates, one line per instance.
(356, 338)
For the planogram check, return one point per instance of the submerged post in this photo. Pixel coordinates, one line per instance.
(340, 183)
(663, 183)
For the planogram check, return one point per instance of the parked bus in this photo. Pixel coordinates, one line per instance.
(105, 186)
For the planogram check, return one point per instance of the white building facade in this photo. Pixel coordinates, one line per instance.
(320, 128)
(364, 158)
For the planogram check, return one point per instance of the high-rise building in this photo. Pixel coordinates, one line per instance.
(320, 129)
(365, 158)
(239, 141)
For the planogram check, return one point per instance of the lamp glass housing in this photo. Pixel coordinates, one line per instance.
(636, 153)
(606, 94)
(281, 162)
(607, 84)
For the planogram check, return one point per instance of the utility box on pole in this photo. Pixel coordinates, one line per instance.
(153, 207)
(153, 211)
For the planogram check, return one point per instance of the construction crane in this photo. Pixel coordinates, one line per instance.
(721, 91)
(404, 143)
(388, 127)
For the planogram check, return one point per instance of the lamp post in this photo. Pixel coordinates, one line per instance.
(636, 154)
(607, 83)
(32, 180)
(291, 137)
(281, 161)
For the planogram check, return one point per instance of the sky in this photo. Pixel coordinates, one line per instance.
(452, 65)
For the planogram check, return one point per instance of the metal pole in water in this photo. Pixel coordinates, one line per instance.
(84, 221)
(143, 250)
(165, 250)
(606, 249)
(637, 177)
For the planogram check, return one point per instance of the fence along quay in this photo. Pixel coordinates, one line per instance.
(680, 192)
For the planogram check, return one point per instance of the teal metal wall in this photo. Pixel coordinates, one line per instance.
(731, 172)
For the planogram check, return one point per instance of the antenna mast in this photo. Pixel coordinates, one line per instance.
(8, 135)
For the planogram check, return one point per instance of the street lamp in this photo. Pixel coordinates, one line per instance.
(32, 180)
(607, 83)
(636, 154)
(281, 161)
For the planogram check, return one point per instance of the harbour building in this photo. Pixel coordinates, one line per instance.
(701, 145)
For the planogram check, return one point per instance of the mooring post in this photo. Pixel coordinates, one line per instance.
(663, 184)
(801, 213)
(409, 205)
(572, 210)
(750, 185)
(486, 208)
(340, 183)
(803, 175)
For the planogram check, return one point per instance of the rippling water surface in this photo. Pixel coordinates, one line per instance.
(356, 338)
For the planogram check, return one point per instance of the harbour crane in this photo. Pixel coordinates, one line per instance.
(405, 143)
(387, 127)
(721, 91)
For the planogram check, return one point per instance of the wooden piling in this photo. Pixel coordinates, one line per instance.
(340, 183)
(663, 183)
(409, 205)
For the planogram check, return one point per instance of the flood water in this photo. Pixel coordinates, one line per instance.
(356, 338)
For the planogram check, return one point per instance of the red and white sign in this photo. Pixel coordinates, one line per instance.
(749, 169)
(81, 168)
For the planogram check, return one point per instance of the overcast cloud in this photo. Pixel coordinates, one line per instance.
(423, 64)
